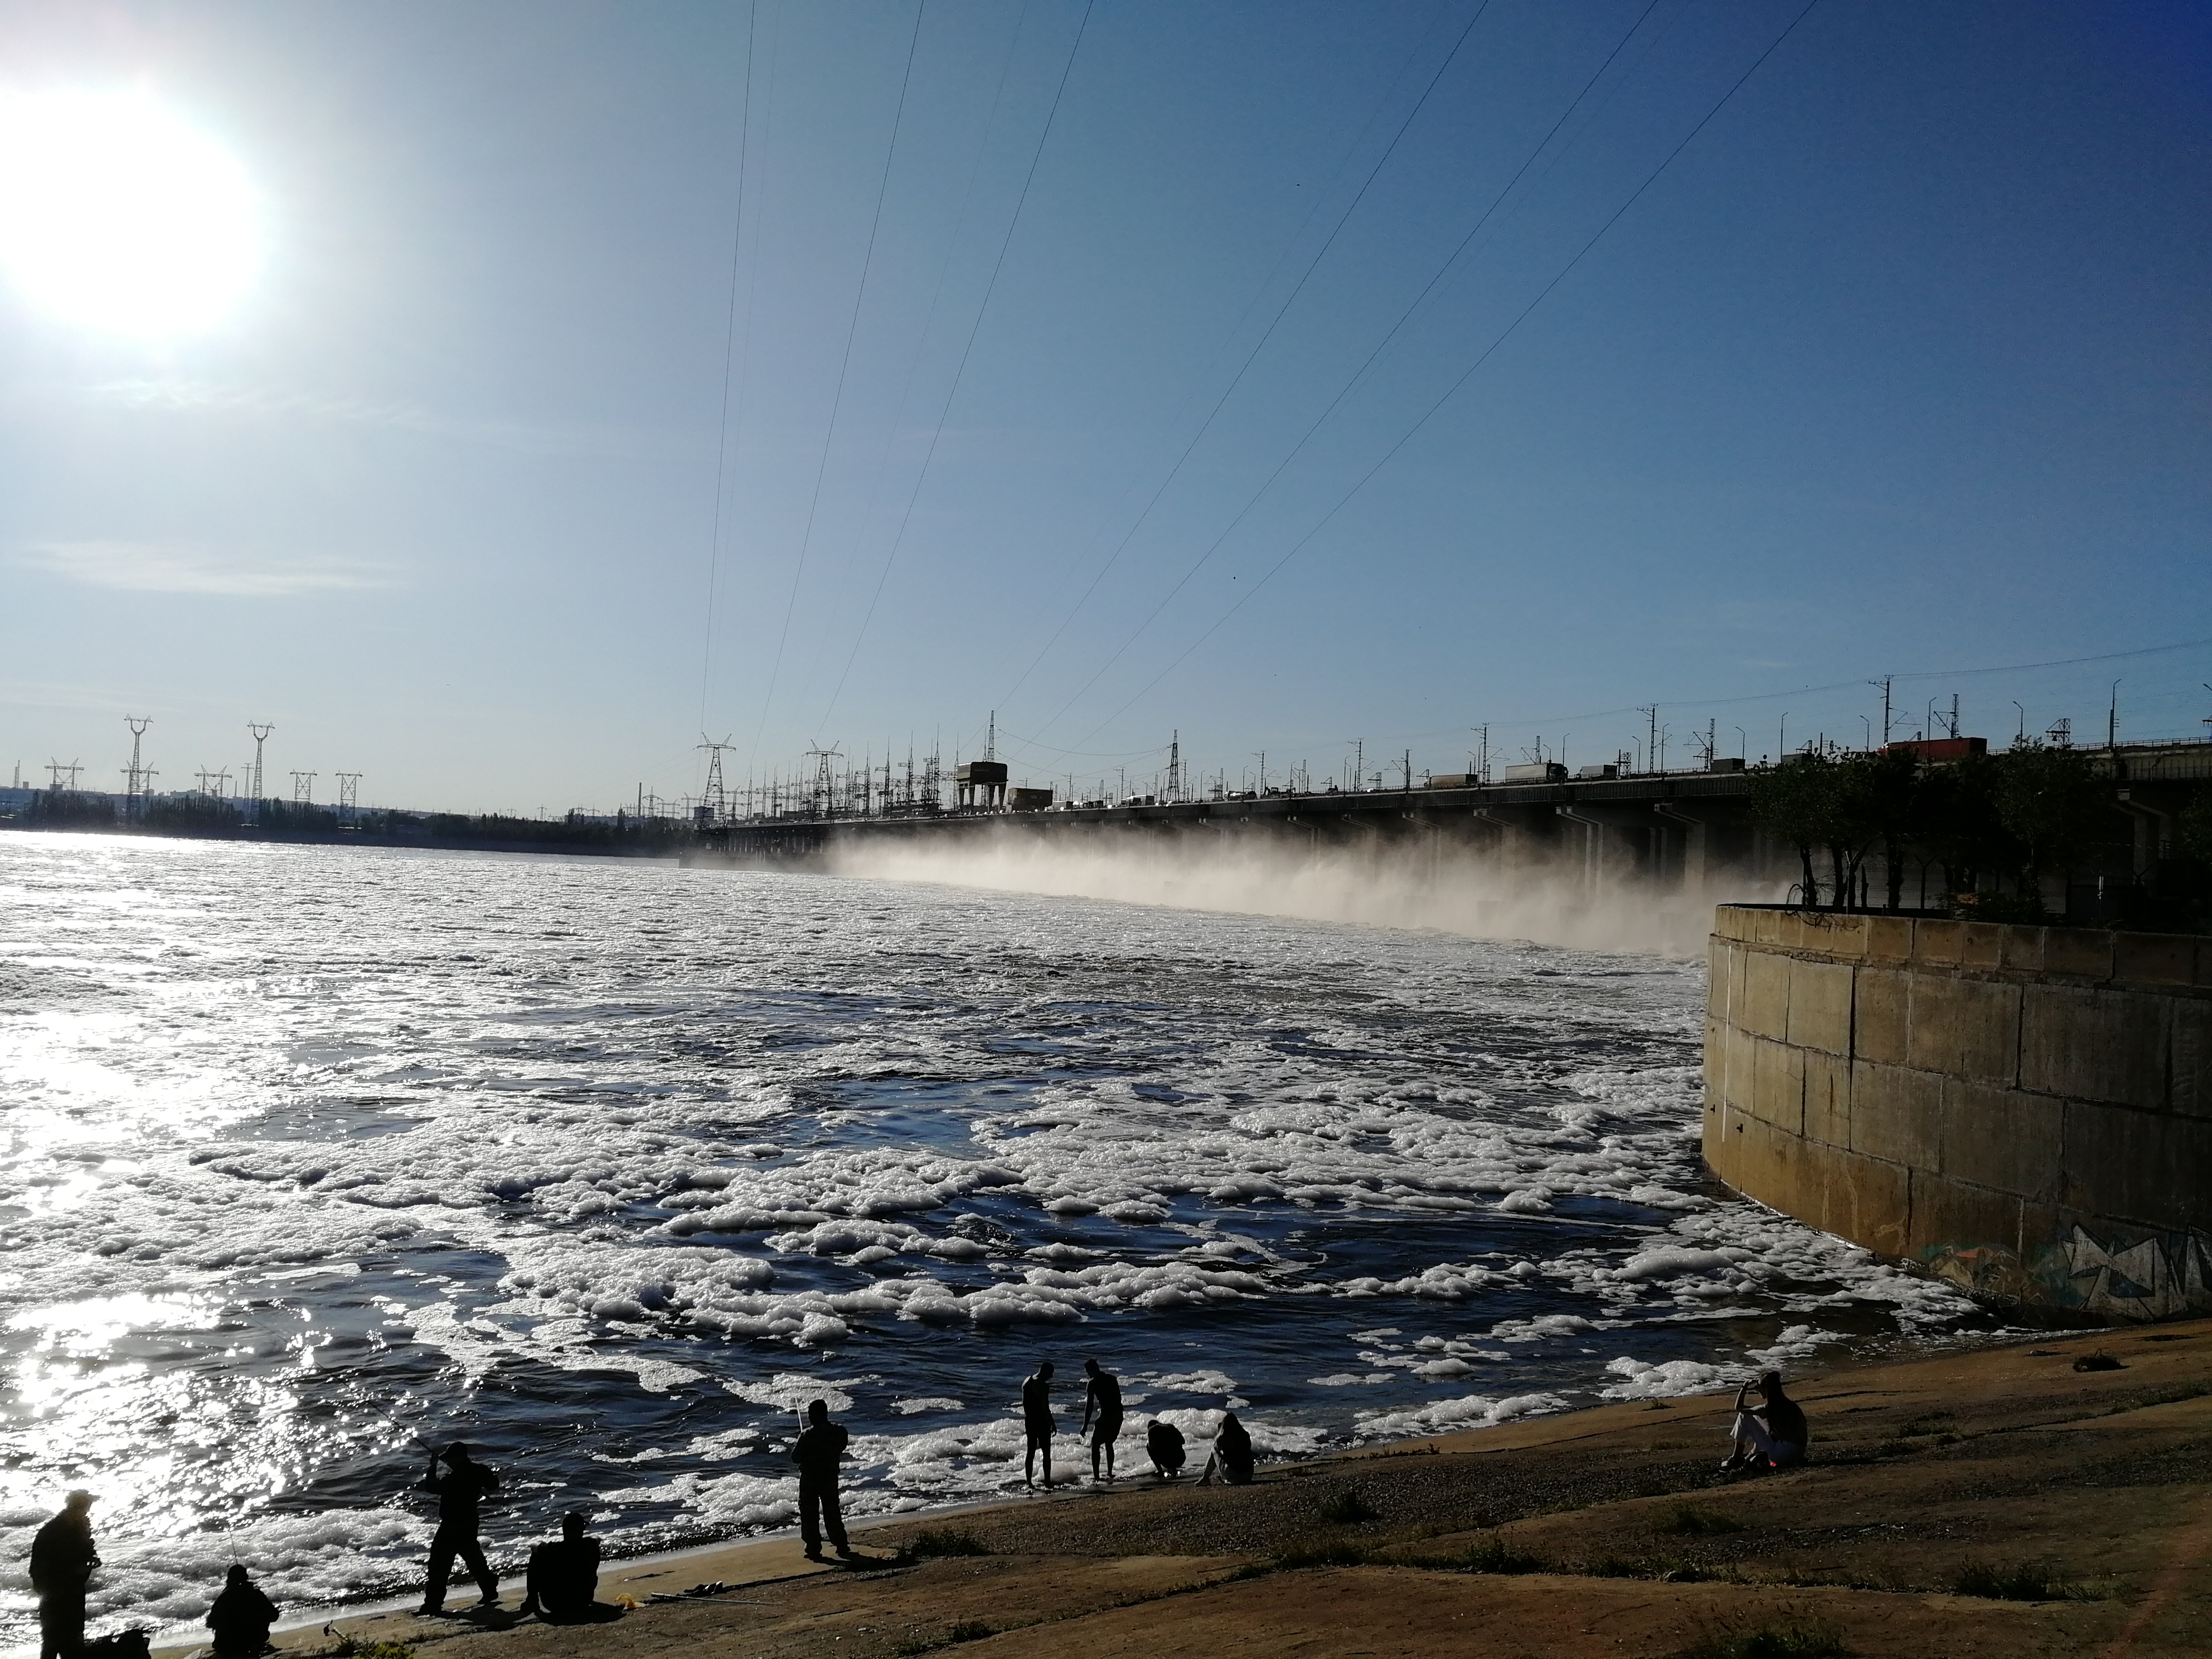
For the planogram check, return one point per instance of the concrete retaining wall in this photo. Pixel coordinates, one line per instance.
(2026, 1111)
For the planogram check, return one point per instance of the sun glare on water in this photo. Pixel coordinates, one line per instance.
(116, 215)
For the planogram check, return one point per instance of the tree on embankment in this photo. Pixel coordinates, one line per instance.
(1997, 825)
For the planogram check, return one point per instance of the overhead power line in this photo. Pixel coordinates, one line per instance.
(844, 364)
(960, 372)
(729, 353)
(906, 391)
(1468, 374)
(1357, 377)
(1251, 356)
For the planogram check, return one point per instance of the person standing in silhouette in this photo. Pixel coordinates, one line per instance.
(1036, 1423)
(62, 1560)
(819, 1450)
(460, 1493)
(563, 1578)
(241, 1617)
(1103, 1392)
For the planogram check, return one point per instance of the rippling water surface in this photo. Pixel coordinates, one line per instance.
(314, 1156)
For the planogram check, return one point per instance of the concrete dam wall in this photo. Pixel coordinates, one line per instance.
(2026, 1111)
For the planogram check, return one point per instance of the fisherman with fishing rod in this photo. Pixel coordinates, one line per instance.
(460, 1493)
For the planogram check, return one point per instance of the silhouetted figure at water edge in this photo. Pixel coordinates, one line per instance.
(241, 1618)
(1769, 1436)
(1232, 1454)
(1102, 1393)
(62, 1560)
(1164, 1445)
(563, 1577)
(460, 1493)
(820, 1450)
(1036, 1423)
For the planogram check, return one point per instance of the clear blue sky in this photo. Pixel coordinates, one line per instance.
(1899, 366)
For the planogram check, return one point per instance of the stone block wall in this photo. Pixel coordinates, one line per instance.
(2026, 1111)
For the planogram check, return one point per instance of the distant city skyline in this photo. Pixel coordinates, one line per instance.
(528, 392)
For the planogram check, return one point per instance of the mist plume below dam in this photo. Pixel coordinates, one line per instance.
(1420, 884)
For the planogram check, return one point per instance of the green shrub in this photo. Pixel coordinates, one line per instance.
(1345, 1506)
(1934, 1423)
(1769, 1642)
(1688, 1521)
(1494, 1554)
(1615, 1566)
(935, 1541)
(1327, 1552)
(2021, 1583)
(970, 1630)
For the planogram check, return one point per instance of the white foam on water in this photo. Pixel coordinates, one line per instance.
(313, 1155)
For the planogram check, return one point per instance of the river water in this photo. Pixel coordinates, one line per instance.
(315, 1156)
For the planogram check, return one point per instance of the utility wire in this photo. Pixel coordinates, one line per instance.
(1259, 292)
(1237, 380)
(1467, 374)
(959, 223)
(1358, 376)
(729, 349)
(960, 372)
(1694, 703)
(844, 363)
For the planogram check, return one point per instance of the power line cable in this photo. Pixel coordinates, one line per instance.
(1691, 703)
(1237, 380)
(1259, 292)
(1358, 376)
(729, 348)
(929, 322)
(960, 372)
(1467, 374)
(844, 363)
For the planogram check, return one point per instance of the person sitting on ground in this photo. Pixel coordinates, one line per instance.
(1164, 1445)
(1769, 1436)
(819, 1449)
(241, 1617)
(563, 1577)
(1232, 1454)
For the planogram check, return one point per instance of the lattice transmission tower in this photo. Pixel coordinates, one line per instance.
(825, 782)
(260, 735)
(137, 778)
(714, 800)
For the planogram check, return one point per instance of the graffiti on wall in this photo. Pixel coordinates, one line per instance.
(2150, 1276)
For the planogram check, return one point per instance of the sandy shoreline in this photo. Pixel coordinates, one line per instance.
(1605, 1530)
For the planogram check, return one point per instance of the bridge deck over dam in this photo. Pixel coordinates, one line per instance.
(1684, 829)
(1678, 823)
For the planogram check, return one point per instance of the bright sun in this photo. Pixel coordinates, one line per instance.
(117, 216)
